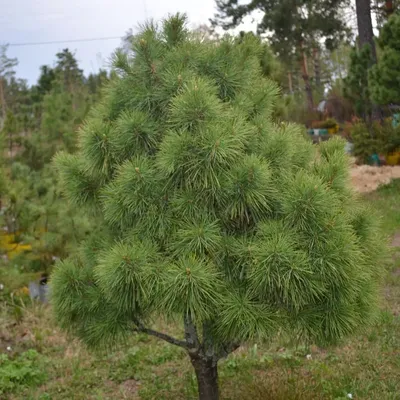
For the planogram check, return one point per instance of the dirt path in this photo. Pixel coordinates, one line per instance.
(366, 178)
(396, 239)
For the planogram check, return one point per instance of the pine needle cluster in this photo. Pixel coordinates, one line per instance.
(209, 212)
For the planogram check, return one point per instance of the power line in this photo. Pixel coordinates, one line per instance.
(63, 41)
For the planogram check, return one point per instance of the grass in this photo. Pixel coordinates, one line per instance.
(366, 366)
(386, 201)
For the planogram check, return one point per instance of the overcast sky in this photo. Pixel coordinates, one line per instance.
(24, 21)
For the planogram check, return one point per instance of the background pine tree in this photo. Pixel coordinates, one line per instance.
(296, 31)
(39, 122)
(385, 88)
(356, 87)
(208, 213)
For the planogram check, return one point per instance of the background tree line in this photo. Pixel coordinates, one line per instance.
(36, 122)
(308, 48)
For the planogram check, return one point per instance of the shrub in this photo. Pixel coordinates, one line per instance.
(210, 214)
(380, 138)
(329, 123)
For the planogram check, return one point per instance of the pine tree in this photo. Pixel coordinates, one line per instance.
(33, 211)
(365, 29)
(383, 79)
(3, 174)
(96, 81)
(30, 195)
(366, 39)
(10, 131)
(209, 215)
(40, 90)
(43, 221)
(6, 73)
(14, 95)
(356, 86)
(62, 100)
(296, 28)
(67, 68)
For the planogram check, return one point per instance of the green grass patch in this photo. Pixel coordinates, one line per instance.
(23, 371)
(386, 200)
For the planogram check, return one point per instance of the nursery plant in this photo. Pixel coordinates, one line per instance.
(209, 215)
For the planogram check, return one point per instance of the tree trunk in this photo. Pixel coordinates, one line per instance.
(317, 67)
(290, 82)
(306, 79)
(364, 24)
(366, 36)
(338, 63)
(207, 377)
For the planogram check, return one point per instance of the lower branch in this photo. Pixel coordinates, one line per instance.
(181, 343)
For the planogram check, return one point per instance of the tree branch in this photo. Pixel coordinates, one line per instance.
(181, 343)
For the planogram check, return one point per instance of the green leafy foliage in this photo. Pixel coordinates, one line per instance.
(23, 371)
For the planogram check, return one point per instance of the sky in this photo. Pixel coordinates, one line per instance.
(30, 21)
(27, 21)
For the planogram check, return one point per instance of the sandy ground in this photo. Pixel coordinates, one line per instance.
(366, 178)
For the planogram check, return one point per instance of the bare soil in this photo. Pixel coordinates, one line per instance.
(366, 178)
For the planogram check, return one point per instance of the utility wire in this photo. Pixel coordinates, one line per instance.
(63, 41)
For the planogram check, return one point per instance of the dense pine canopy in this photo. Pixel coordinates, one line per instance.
(207, 211)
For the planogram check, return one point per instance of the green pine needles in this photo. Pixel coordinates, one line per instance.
(209, 214)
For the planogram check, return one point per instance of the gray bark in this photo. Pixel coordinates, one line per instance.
(364, 24)
(366, 37)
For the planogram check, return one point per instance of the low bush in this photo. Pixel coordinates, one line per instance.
(24, 371)
(329, 123)
(375, 139)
